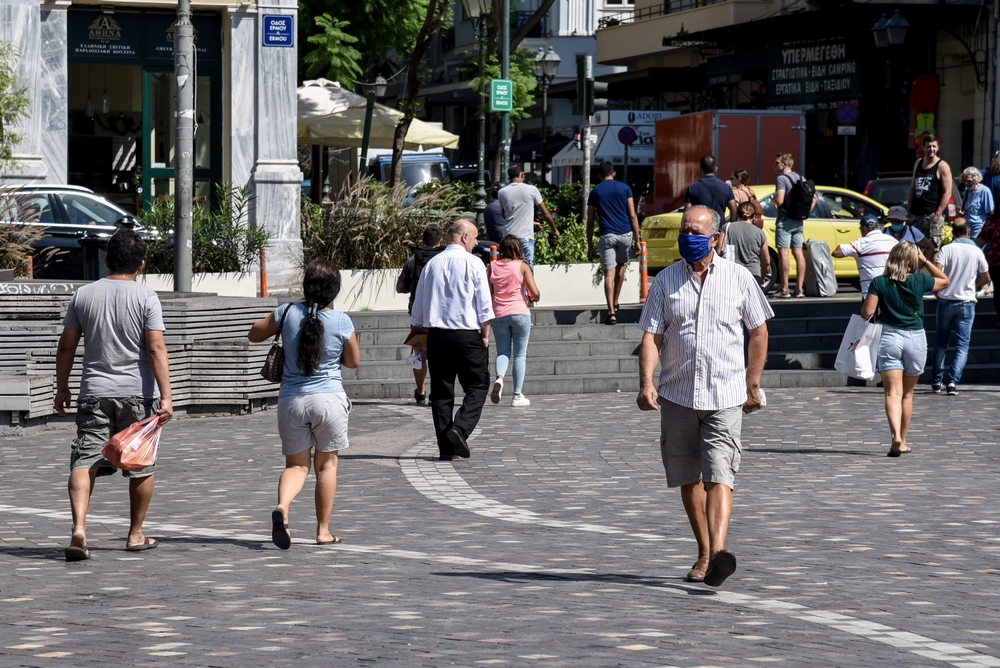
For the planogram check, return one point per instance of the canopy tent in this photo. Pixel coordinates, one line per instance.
(331, 116)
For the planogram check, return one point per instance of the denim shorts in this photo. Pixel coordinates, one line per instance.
(903, 350)
(788, 233)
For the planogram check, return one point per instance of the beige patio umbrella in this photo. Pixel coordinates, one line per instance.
(332, 116)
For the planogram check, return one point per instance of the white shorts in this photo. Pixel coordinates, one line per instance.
(318, 421)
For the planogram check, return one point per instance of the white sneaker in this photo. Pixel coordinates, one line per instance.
(519, 401)
(497, 391)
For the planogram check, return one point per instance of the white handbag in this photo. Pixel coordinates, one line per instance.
(859, 349)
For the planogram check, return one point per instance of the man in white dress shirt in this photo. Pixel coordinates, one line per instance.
(453, 304)
(693, 322)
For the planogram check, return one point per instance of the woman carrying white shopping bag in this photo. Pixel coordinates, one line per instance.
(902, 352)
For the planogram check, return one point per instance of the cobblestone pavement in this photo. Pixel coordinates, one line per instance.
(556, 544)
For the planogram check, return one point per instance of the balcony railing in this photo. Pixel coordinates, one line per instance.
(668, 7)
(519, 18)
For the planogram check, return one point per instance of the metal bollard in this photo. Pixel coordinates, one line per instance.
(263, 273)
(29, 261)
(643, 273)
(494, 254)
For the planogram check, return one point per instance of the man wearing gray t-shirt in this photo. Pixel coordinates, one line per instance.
(518, 201)
(126, 379)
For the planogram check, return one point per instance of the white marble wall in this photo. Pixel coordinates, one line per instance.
(276, 175)
(19, 23)
(53, 92)
(241, 93)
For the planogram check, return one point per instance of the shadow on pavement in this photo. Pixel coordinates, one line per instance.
(604, 578)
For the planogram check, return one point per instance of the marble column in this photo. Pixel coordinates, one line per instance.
(20, 24)
(53, 92)
(241, 94)
(276, 175)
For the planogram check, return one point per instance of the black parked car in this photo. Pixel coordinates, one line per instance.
(78, 224)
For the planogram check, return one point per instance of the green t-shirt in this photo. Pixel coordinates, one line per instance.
(901, 305)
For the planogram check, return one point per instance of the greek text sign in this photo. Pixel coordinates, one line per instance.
(501, 95)
(814, 76)
(278, 30)
(94, 34)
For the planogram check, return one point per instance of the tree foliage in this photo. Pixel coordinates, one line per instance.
(14, 105)
(332, 55)
(522, 67)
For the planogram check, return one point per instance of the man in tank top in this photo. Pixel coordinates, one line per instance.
(930, 192)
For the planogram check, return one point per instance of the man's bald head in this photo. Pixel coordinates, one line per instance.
(463, 233)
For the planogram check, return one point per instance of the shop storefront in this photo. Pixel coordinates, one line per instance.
(121, 103)
(101, 80)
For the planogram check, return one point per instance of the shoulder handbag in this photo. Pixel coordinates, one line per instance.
(274, 365)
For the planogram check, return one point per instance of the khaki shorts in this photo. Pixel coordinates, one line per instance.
(97, 420)
(700, 445)
(318, 421)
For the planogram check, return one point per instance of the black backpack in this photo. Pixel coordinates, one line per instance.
(798, 201)
(421, 256)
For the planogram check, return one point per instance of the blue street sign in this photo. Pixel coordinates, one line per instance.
(847, 113)
(278, 30)
(627, 136)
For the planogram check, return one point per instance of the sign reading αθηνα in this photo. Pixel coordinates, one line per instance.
(501, 95)
(812, 76)
(93, 34)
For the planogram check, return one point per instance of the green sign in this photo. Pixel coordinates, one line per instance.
(812, 76)
(501, 95)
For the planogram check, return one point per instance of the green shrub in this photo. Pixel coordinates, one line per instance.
(17, 234)
(571, 246)
(370, 225)
(221, 241)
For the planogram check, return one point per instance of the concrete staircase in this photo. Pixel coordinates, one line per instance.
(571, 351)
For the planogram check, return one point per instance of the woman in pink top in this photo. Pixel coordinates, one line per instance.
(511, 283)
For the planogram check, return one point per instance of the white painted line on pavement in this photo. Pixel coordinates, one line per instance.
(914, 643)
(439, 481)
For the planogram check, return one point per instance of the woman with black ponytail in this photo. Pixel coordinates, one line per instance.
(312, 404)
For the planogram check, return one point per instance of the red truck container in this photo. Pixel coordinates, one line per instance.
(739, 139)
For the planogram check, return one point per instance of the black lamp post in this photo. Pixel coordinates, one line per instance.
(889, 34)
(375, 90)
(546, 67)
(475, 10)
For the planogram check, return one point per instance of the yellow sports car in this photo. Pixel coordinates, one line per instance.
(834, 220)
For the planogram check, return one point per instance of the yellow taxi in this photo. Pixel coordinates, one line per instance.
(834, 219)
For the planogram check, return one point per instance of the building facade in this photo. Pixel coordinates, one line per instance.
(815, 56)
(101, 80)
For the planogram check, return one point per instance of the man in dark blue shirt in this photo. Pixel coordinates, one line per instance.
(711, 191)
(493, 216)
(612, 202)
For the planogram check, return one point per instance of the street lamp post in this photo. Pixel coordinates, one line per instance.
(505, 74)
(475, 9)
(375, 90)
(889, 34)
(546, 67)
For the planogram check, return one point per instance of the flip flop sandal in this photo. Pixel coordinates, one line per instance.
(147, 544)
(336, 539)
(612, 320)
(75, 553)
(279, 530)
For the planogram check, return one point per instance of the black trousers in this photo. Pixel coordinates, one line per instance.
(461, 353)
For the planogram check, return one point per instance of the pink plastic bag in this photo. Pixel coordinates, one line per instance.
(134, 448)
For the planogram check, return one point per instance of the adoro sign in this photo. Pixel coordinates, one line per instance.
(278, 30)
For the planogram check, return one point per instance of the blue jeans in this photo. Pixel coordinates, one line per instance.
(511, 334)
(528, 246)
(958, 316)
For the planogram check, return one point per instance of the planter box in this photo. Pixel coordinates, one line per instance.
(225, 285)
(560, 285)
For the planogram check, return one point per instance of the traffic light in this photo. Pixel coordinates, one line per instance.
(594, 88)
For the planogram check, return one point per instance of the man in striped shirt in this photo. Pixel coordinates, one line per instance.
(870, 251)
(693, 322)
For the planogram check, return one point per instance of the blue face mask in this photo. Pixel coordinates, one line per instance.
(897, 227)
(693, 247)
